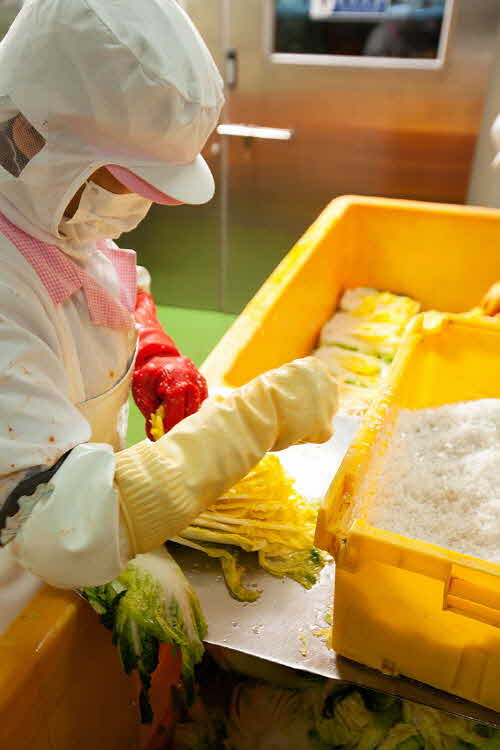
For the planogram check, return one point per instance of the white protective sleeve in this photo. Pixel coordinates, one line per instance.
(77, 543)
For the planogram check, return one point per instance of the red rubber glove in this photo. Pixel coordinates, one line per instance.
(162, 376)
(152, 338)
(173, 382)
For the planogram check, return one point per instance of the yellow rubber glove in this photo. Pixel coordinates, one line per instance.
(165, 485)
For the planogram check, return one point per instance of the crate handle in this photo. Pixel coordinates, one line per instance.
(472, 600)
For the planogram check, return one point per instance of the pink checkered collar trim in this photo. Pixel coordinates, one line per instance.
(62, 277)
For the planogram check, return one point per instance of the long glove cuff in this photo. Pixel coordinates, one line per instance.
(152, 496)
(153, 341)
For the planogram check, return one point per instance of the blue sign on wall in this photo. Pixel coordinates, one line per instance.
(361, 6)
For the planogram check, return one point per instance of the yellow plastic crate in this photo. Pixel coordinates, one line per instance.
(402, 606)
(444, 256)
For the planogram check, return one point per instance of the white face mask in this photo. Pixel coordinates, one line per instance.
(102, 215)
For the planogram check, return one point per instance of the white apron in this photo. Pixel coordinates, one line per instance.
(108, 416)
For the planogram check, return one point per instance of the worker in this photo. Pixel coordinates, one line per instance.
(105, 106)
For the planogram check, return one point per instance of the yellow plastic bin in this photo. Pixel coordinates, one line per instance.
(402, 606)
(62, 686)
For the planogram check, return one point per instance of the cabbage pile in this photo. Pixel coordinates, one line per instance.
(360, 341)
(262, 716)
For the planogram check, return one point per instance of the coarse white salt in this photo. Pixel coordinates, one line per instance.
(440, 478)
